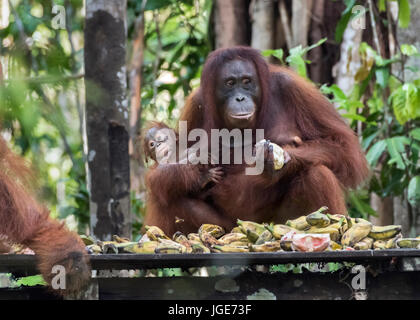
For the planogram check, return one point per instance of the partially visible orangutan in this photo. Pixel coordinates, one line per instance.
(24, 221)
(240, 90)
(185, 184)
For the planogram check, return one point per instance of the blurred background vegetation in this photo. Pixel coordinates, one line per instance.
(363, 54)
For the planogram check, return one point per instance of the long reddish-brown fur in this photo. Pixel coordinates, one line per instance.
(181, 192)
(322, 168)
(24, 221)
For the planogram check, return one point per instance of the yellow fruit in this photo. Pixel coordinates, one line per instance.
(299, 223)
(385, 232)
(251, 229)
(230, 248)
(271, 246)
(154, 233)
(143, 247)
(264, 237)
(93, 249)
(333, 232)
(208, 240)
(236, 230)
(233, 237)
(318, 218)
(279, 230)
(194, 236)
(379, 245)
(356, 233)
(214, 230)
(335, 246)
(408, 243)
(392, 243)
(198, 247)
(87, 240)
(120, 239)
(364, 244)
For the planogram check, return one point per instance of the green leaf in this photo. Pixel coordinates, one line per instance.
(415, 134)
(404, 13)
(31, 281)
(409, 49)
(382, 77)
(344, 20)
(354, 116)
(395, 148)
(414, 191)
(381, 5)
(375, 152)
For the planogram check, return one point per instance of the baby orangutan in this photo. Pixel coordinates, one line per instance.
(186, 184)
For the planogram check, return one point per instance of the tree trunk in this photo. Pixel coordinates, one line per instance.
(136, 160)
(301, 16)
(262, 17)
(107, 118)
(231, 23)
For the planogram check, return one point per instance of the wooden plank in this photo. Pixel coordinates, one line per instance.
(27, 263)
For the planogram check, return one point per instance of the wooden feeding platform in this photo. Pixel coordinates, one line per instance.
(390, 274)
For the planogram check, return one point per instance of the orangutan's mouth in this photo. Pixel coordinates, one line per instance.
(246, 116)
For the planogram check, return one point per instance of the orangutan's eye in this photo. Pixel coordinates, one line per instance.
(230, 83)
(246, 81)
(152, 144)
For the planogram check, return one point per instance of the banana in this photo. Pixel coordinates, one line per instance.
(333, 232)
(208, 240)
(385, 232)
(299, 223)
(286, 245)
(356, 233)
(165, 243)
(335, 217)
(93, 249)
(120, 239)
(236, 230)
(198, 247)
(233, 237)
(110, 247)
(87, 240)
(279, 230)
(318, 218)
(408, 243)
(271, 246)
(335, 245)
(214, 230)
(392, 243)
(379, 245)
(143, 247)
(252, 229)
(180, 238)
(154, 233)
(167, 250)
(230, 248)
(194, 236)
(364, 244)
(264, 237)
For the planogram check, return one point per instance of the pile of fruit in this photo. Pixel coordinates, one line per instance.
(318, 231)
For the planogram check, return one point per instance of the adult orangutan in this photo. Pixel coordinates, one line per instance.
(24, 221)
(323, 156)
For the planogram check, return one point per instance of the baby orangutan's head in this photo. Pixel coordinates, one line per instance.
(160, 142)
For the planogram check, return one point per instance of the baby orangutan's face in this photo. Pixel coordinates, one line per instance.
(161, 143)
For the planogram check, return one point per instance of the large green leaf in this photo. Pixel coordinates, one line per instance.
(344, 20)
(375, 152)
(414, 191)
(404, 13)
(395, 148)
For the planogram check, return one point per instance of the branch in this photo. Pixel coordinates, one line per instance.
(286, 24)
(373, 24)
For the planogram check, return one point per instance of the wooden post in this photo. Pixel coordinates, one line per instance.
(108, 170)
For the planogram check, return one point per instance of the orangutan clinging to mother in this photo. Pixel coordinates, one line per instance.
(240, 90)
